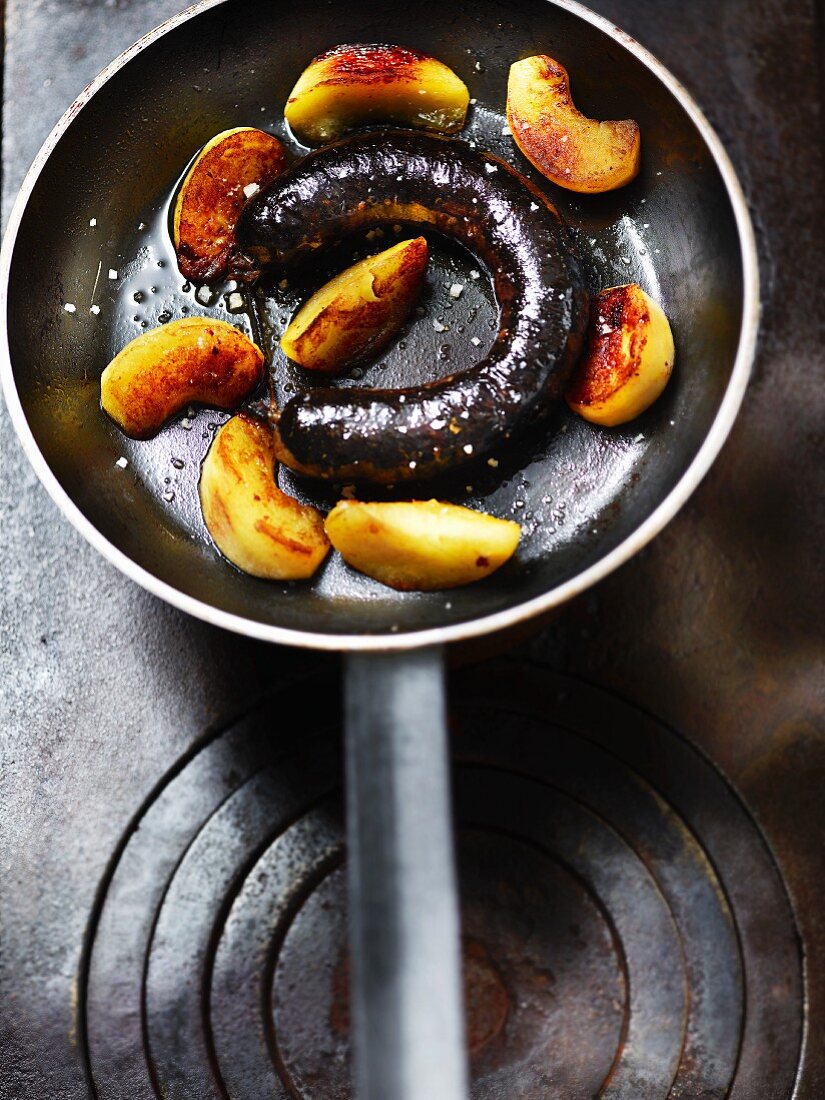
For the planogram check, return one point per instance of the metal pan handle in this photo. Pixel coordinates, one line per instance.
(408, 1020)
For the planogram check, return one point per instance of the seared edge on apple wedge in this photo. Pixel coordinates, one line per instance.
(363, 83)
(420, 544)
(628, 360)
(196, 360)
(259, 528)
(575, 152)
(230, 168)
(356, 314)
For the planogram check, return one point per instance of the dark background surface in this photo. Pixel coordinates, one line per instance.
(716, 627)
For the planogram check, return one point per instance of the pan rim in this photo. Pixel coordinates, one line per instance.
(455, 632)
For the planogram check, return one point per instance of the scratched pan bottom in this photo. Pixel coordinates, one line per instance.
(578, 491)
(617, 900)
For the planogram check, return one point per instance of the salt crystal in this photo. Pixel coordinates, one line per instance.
(112, 273)
(70, 307)
(475, 274)
(122, 462)
(95, 310)
(204, 295)
(439, 327)
(92, 222)
(251, 189)
(456, 289)
(235, 301)
(491, 168)
(468, 448)
(475, 341)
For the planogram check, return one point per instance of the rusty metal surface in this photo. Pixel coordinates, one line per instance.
(716, 628)
(617, 900)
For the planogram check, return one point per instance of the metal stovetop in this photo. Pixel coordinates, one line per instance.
(107, 695)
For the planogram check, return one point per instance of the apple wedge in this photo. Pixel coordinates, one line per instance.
(575, 152)
(229, 169)
(628, 361)
(358, 84)
(194, 360)
(355, 314)
(259, 528)
(420, 545)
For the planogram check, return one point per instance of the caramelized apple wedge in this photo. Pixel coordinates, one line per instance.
(229, 169)
(420, 544)
(195, 360)
(253, 523)
(575, 152)
(355, 314)
(628, 361)
(353, 85)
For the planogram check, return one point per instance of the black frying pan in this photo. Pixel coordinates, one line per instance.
(588, 498)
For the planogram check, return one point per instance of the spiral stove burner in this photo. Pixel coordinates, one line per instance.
(626, 931)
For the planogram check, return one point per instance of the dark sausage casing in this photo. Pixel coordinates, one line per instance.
(418, 180)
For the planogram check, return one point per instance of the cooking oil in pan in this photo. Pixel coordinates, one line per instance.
(553, 486)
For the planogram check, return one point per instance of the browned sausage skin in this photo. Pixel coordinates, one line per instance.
(419, 180)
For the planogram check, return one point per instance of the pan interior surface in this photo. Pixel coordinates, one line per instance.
(94, 234)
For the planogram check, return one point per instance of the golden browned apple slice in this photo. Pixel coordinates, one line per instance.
(195, 360)
(228, 171)
(575, 152)
(355, 84)
(355, 314)
(258, 527)
(628, 361)
(420, 544)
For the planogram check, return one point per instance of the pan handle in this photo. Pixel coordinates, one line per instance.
(408, 1019)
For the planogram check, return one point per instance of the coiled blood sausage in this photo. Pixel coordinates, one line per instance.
(423, 181)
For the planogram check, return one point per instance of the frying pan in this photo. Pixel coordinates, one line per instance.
(89, 230)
